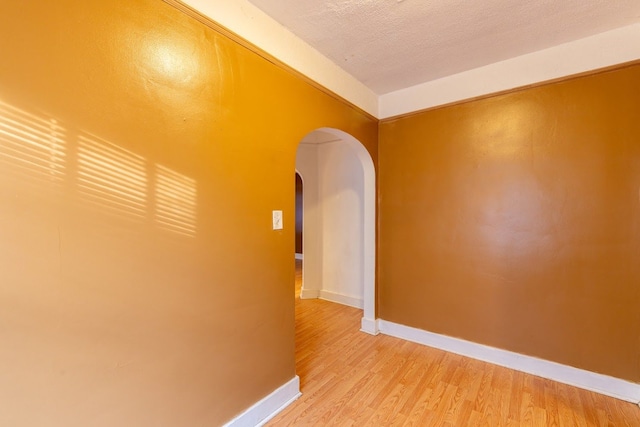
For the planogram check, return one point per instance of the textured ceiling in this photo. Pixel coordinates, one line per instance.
(393, 44)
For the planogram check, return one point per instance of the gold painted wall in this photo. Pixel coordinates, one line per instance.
(141, 154)
(514, 221)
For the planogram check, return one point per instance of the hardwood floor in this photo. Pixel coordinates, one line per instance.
(349, 378)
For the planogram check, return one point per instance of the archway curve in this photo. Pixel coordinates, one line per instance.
(368, 324)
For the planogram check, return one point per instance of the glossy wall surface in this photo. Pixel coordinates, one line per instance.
(141, 155)
(514, 221)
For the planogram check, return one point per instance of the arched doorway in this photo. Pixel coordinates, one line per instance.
(339, 221)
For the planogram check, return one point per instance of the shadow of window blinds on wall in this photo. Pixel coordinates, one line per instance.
(37, 151)
(32, 148)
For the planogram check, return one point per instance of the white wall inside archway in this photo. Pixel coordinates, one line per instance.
(339, 221)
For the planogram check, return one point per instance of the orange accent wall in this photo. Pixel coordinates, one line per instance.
(514, 221)
(141, 155)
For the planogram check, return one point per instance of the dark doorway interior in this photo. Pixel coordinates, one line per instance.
(298, 214)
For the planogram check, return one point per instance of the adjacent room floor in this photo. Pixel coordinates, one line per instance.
(349, 378)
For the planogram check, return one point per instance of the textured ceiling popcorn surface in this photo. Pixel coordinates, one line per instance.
(394, 44)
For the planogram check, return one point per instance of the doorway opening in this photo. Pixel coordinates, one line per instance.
(338, 221)
(299, 221)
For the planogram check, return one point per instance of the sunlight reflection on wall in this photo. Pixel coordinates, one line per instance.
(37, 151)
(119, 181)
(111, 177)
(176, 198)
(31, 147)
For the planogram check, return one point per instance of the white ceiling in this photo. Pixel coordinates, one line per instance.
(393, 44)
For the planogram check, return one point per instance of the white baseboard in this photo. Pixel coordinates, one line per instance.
(309, 293)
(587, 380)
(341, 299)
(332, 297)
(299, 256)
(268, 407)
(370, 326)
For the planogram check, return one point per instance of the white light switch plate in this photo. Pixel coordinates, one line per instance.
(277, 220)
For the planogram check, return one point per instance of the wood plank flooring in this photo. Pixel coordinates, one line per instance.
(349, 378)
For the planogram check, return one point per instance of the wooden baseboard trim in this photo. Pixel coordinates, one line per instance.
(270, 406)
(603, 384)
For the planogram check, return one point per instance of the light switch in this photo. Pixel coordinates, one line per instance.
(277, 220)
